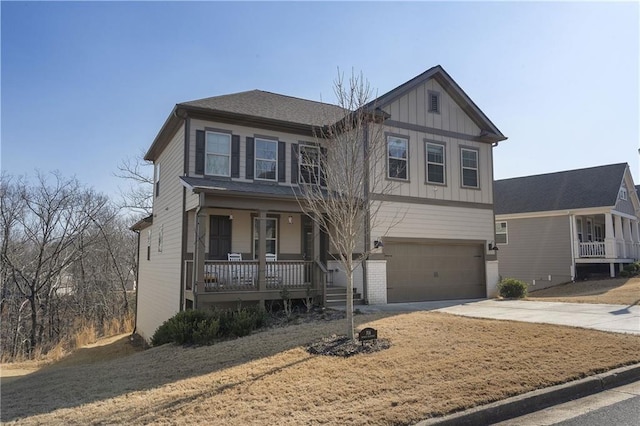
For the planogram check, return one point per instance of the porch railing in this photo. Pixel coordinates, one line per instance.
(592, 249)
(221, 276)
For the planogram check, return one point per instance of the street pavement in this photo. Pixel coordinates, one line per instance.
(611, 318)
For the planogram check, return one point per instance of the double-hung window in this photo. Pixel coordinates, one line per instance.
(266, 162)
(435, 163)
(309, 164)
(501, 233)
(218, 154)
(623, 193)
(271, 236)
(397, 157)
(469, 161)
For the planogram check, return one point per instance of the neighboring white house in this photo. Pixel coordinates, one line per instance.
(226, 173)
(556, 227)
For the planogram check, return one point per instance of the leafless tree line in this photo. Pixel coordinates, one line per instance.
(67, 259)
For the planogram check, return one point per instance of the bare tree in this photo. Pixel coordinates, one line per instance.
(336, 181)
(137, 197)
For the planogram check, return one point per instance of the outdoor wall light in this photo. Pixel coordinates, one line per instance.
(290, 220)
(230, 217)
(493, 246)
(377, 244)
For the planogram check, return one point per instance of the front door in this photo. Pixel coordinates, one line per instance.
(219, 237)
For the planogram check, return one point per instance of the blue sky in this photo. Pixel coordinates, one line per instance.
(85, 85)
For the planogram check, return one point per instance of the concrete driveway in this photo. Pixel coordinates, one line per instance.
(611, 318)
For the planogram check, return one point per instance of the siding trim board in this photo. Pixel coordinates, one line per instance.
(431, 201)
(435, 131)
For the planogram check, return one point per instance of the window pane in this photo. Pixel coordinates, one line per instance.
(501, 227)
(435, 154)
(217, 165)
(397, 168)
(501, 238)
(435, 173)
(265, 169)
(469, 177)
(470, 159)
(218, 143)
(397, 148)
(266, 150)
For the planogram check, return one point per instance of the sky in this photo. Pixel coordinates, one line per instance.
(86, 85)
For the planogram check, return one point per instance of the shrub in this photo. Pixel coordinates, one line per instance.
(240, 322)
(625, 273)
(512, 288)
(632, 269)
(191, 326)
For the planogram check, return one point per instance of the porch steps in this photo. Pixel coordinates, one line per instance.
(337, 296)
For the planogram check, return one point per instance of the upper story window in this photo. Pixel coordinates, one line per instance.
(469, 162)
(579, 228)
(501, 233)
(266, 161)
(218, 154)
(433, 101)
(623, 193)
(397, 157)
(309, 164)
(435, 163)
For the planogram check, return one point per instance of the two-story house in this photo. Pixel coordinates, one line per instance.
(226, 225)
(557, 227)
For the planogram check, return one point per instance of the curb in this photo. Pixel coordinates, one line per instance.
(539, 399)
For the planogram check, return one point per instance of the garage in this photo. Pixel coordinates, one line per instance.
(419, 272)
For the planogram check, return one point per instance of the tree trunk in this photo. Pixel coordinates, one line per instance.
(350, 326)
(34, 324)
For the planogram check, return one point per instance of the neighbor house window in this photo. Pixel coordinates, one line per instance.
(579, 229)
(589, 230)
(266, 162)
(434, 101)
(469, 161)
(218, 154)
(435, 163)
(160, 237)
(623, 193)
(501, 233)
(271, 237)
(309, 164)
(397, 157)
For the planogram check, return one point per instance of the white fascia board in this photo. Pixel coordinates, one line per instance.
(578, 212)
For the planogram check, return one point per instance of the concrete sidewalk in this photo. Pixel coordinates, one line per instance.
(611, 318)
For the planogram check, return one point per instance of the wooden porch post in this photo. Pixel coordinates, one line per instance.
(262, 264)
(198, 251)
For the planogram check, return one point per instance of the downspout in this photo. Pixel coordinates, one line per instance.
(135, 311)
(573, 253)
(196, 253)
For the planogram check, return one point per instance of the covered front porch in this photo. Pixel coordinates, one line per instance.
(608, 237)
(249, 249)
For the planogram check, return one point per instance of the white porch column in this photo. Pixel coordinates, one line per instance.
(626, 236)
(619, 236)
(574, 237)
(635, 238)
(609, 237)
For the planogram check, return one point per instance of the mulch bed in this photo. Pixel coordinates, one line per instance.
(335, 345)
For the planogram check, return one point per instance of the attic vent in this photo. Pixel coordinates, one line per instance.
(623, 193)
(434, 101)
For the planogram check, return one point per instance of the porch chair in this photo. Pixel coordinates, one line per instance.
(271, 274)
(240, 274)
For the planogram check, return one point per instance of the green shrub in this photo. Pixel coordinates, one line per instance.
(512, 288)
(632, 269)
(625, 273)
(241, 322)
(190, 326)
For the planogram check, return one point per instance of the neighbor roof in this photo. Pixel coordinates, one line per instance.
(258, 103)
(572, 189)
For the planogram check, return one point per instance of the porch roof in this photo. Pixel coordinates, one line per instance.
(240, 188)
(571, 189)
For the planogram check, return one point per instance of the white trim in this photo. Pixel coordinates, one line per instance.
(463, 168)
(406, 159)
(506, 232)
(443, 164)
(578, 212)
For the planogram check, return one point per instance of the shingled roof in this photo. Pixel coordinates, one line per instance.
(572, 189)
(258, 103)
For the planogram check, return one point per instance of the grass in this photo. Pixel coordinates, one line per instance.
(437, 364)
(614, 291)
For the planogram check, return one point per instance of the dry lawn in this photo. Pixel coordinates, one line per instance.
(437, 364)
(614, 291)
